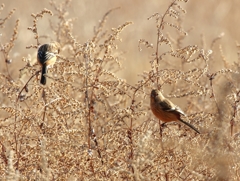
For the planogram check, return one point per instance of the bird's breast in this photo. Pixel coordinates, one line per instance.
(164, 116)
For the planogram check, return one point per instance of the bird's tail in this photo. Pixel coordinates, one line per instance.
(191, 126)
(43, 77)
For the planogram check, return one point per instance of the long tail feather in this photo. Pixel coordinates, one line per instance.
(191, 126)
(43, 80)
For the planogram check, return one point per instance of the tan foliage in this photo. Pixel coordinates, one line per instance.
(88, 123)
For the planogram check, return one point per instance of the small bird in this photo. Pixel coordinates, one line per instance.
(47, 57)
(165, 110)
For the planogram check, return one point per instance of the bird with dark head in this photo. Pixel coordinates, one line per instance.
(47, 56)
(165, 110)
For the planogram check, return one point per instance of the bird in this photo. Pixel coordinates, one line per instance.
(47, 56)
(165, 110)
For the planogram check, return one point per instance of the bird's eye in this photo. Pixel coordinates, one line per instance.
(154, 95)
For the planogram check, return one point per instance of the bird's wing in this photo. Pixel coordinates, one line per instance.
(178, 109)
(167, 105)
(45, 55)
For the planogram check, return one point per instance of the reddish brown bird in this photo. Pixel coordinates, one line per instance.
(165, 110)
(47, 56)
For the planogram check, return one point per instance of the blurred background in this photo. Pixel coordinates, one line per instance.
(207, 19)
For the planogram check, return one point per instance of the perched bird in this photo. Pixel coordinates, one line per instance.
(165, 110)
(47, 57)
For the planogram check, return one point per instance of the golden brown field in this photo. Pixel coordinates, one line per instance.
(92, 121)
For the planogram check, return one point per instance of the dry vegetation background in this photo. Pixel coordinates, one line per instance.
(92, 121)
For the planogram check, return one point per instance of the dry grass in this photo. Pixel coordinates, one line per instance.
(90, 123)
